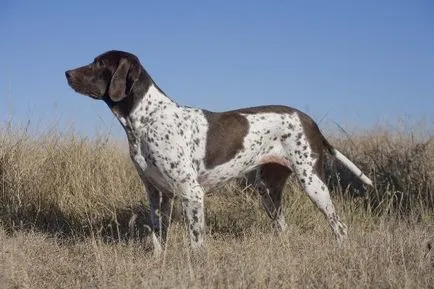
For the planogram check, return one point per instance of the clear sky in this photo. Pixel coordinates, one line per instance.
(357, 63)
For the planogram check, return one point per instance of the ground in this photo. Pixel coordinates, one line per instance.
(72, 215)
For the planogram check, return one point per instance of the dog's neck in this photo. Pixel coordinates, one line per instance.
(144, 112)
(152, 102)
(145, 98)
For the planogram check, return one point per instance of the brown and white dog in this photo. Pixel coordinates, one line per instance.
(186, 151)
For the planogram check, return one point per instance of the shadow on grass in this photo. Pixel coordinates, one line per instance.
(126, 224)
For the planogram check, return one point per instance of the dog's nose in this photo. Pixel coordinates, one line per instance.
(68, 74)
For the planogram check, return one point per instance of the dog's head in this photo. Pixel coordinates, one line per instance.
(111, 76)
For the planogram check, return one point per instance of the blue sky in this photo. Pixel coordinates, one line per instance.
(357, 63)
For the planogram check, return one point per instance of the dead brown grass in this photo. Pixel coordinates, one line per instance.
(72, 215)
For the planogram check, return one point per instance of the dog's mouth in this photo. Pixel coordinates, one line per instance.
(83, 88)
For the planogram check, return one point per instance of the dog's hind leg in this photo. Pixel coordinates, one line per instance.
(306, 152)
(270, 181)
(309, 171)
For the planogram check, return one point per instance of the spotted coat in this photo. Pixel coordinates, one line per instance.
(185, 152)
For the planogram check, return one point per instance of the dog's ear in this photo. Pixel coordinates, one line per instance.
(123, 79)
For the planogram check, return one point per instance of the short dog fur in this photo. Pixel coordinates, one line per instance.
(183, 151)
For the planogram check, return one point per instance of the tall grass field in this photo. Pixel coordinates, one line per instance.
(74, 214)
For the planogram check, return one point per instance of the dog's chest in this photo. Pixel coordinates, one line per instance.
(169, 146)
(146, 164)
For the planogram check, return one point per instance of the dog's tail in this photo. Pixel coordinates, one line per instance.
(352, 167)
(346, 162)
(317, 138)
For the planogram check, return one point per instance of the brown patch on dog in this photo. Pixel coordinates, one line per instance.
(225, 135)
(317, 143)
(274, 177)
(227, 130)
(274, 174)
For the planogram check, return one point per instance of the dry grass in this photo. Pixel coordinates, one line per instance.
(72, 215)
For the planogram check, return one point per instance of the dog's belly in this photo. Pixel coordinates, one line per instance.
(157, 179)
(242, 163)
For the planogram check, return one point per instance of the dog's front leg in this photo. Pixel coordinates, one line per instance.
(192, 199)
(159, 204)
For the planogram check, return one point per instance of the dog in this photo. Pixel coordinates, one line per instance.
(185, 151)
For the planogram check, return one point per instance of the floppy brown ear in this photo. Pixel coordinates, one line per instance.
(125, 75)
